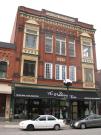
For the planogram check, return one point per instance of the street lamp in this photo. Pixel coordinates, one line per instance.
(68, 83)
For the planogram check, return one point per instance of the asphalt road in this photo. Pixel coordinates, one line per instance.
(68, 131)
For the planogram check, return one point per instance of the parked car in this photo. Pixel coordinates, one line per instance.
(43, 122)
(93, 120)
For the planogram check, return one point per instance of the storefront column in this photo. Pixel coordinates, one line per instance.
(7, 109)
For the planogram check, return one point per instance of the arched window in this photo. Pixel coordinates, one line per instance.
(3, 69)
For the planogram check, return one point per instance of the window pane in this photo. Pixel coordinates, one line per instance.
(3, 69)
(60, 72)
(29, 68)
(72, 73)
(86, 51)
(48, 45)
(30, 41)
(60, 45)
(57, 47)
(88, 75)
(72, 47)
(48, 71)
(57, 72)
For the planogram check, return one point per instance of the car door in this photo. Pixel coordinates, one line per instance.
(51, 121)
(40, 123)
(92, 121)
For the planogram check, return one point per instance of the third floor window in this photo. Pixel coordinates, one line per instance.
(31, 39)
(71, 47)
(48, 43)
(60, 45)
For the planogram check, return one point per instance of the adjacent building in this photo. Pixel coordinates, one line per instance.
(51, 47)
(7, 59)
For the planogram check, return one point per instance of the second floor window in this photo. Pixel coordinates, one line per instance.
(60, 45)
(88, 73)
(3, 69)
(48, 71)
(31, 39)
(29, 68)
(48, 43)
(61, 72)
(72, 73)
(71, 47)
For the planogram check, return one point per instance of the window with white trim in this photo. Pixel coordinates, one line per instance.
(29, 68)
(48, 43)
(60, 72)
(31, 39)
(72, 73)
(60, 45)
(48, 71)
(72, 47)
(88, 74)
(3, 69)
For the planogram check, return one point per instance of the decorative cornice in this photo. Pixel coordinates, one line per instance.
(66, 25)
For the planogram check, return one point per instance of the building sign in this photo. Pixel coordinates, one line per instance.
(28, 92)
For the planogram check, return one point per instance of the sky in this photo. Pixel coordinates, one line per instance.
(87, 11)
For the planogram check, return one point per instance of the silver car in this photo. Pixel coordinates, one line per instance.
(93, 120)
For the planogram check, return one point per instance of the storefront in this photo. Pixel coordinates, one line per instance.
(5, 94)
(29, 102)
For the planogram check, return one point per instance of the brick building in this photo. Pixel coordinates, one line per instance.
(7, 59)
(50, 48)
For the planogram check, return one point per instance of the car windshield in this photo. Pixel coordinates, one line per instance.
(35, 117)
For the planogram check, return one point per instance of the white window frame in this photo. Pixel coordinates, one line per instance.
(72, 73)
(61, 72)
(30, 29)
(50, 68)
(72, 46)
(48, 36)
(60, 40)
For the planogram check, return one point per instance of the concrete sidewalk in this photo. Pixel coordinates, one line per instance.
(9, 124)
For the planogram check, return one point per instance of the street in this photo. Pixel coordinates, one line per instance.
(68, 131)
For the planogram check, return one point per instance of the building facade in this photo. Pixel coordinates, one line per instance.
(7, 59)
(50, 48)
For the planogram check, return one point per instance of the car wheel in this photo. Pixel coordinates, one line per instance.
(30, 127)
(83, 126)
(57, 127)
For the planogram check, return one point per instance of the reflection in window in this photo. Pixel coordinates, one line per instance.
(3, 69)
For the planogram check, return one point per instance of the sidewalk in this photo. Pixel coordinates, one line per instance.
(9, 124)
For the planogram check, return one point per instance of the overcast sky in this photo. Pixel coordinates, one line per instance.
(87, 11)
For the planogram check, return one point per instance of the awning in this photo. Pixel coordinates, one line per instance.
(51, 93)
(5, 89)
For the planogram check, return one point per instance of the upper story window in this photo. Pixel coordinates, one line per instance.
(48, 43)
(31, 39)
(29, 68)
(71, 47)
(72, 73)
(60, 45)
(88, 74)
(87, 49)
(60, 72)
(3, 69)
(48, 70)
